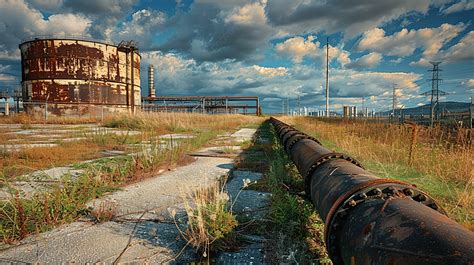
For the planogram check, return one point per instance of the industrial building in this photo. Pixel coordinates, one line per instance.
(78, 77)
(73, 77)
(197, 104)
(203, 104)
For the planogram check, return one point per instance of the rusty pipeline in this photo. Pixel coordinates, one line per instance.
(370, 220)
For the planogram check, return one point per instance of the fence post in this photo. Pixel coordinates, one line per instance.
(414, 136)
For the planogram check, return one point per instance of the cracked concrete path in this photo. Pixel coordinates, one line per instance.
(85, 242)
(153, 241)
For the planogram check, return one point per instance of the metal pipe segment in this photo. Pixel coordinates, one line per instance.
(370, 220)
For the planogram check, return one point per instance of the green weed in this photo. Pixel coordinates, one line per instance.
(210, 220)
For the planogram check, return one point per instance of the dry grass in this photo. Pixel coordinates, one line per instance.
(66, 201)
(105, 212)
(210, 220)
(151, 125)
(441, 161)
(28, 160)
(180, 122)
(169, 121)
(23, 118)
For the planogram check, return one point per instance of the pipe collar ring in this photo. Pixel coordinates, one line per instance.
(381, 192)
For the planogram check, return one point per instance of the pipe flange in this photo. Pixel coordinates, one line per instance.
(379, 191)
(331, 156)
(303, 136)
(322, 159)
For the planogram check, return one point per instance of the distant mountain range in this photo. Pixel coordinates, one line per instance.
(446, 107)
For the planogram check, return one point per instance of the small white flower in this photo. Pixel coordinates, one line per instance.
(246, 182)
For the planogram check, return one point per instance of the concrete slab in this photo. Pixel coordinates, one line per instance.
(250, 203)
(105, 130)
(18, 147)
(164, 190)
(112, 153)
(73, 139)
(22, 132)
(173, 136)
(47, 135)
(244, 134)
(250, 254)
(10, 126)
(219, 151)
(55, 173)
(38, 181)
(83, 242)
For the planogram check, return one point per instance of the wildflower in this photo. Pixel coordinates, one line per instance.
(246, 182)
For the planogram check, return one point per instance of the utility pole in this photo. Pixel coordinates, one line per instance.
(363, 107)
(46, 109)
(299, 105)
(471, 113)
(287, 106)
(435, 92)
(327, 77)
(394, 102)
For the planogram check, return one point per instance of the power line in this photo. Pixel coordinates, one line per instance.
(435, 92)
(394, 101)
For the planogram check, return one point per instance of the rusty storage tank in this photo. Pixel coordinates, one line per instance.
(68, 77)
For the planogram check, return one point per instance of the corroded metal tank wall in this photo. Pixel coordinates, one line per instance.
(77, 76)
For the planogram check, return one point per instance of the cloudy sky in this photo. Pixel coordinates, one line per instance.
(271, 48)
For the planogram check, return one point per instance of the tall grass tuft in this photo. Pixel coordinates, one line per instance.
(210, 220)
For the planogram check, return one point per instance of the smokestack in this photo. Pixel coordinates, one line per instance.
(151, 80)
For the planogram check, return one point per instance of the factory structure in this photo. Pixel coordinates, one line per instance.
(199, 104)
(351, 112)
(76, 77)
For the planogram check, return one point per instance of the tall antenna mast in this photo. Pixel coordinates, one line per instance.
(327, 77)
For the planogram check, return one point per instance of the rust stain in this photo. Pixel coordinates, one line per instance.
(367, 229)
(76, 71)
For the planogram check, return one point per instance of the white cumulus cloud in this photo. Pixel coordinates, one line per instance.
(140, 29)
(370, 60)
(298, 48)
(253, 13)
(19, 21)
(460, 6)
(461, 51)
(405, 42)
